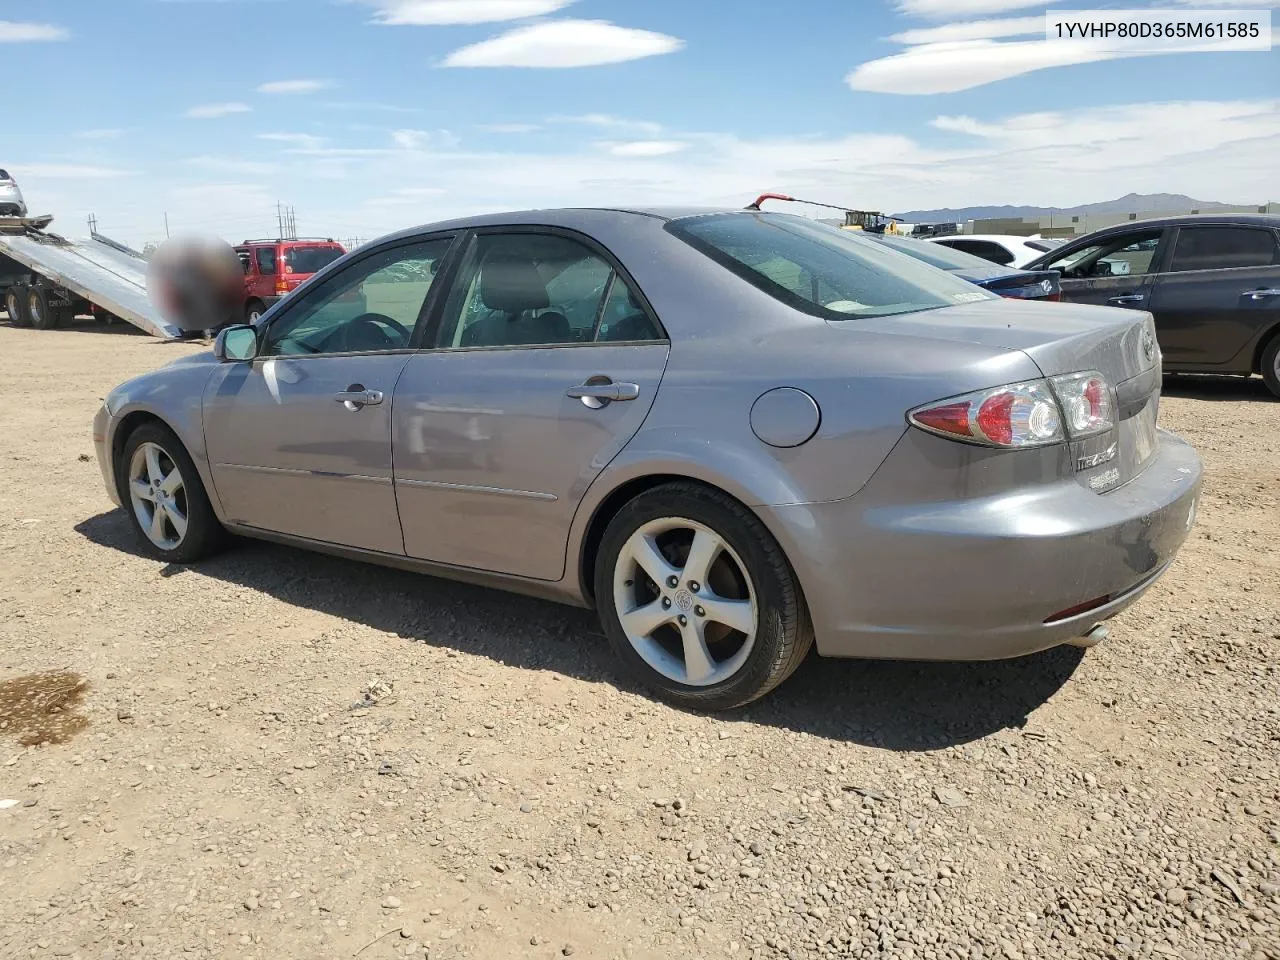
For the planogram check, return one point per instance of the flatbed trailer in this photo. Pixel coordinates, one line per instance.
(47, 280)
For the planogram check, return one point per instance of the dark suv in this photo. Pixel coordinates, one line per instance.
(1212, 282)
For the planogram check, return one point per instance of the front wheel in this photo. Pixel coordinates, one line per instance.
(1271, 365)
(697, 598)
(168, 508)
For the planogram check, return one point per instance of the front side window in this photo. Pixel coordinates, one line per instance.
(1223, 248)
(537, 289)
(373, 305)
(266, 260)
(1130, 254)
(819, 269)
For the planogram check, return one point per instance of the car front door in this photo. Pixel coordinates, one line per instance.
(299, 440)
(1117, 271)
(1219, 294)
(542, 365)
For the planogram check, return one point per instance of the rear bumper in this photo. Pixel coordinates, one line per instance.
(977, 578)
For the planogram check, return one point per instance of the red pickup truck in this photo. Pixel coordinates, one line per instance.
(272, 268)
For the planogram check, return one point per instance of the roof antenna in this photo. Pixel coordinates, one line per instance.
(768, 196)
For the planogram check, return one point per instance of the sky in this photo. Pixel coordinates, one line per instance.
(366, 116)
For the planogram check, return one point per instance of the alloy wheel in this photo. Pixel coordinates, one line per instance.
(158, 496)
(685, 601)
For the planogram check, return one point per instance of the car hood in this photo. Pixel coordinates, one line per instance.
(1059, 337)
(204, 356)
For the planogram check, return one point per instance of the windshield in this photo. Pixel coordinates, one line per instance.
(819, 269)
(935, 254)
(310, 259)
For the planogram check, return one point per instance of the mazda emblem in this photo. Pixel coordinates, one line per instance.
(1148, 345)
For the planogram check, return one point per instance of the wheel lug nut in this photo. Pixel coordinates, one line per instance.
(699, 611)
(693, 585)
(666, 603)
(684, 621)
(673, 581)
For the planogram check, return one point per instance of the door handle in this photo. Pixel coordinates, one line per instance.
(356, 397)
(1128, 298)
(1262, 294)
(596, 394)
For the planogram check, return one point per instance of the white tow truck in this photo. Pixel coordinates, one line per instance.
(47, 280)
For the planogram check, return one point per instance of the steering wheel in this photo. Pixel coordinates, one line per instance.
(366, 332)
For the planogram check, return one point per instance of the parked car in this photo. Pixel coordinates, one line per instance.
(11, 202)
(1005, 281)
(1212, 282)
(1008, 251)
(731, 432)
(273, 268)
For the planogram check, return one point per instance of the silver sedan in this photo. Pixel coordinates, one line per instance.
(735, 434)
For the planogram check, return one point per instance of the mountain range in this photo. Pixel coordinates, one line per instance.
(1130, 203)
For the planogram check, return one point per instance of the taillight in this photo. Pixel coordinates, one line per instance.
(1054, 297)
(1032, 414)
(1086, 403)
(1018, 415)
(282, 287)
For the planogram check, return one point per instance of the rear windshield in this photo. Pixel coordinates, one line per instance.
(935, 254)
(310, 259)
(822, 270)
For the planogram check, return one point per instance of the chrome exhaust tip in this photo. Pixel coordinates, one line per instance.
(1090, 639)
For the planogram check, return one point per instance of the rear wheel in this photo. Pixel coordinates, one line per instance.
(253, 310)
(697, 598)
(166, 501)
(43, 316)
(1271, 365)
(15, 304)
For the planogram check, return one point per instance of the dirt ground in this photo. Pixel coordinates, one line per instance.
(279, 755)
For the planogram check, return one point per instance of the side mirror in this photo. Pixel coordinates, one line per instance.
(238, 344)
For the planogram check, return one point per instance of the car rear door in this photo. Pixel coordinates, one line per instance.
(1117, 270)
(1220, 294)
(543, 363)
(299, 440)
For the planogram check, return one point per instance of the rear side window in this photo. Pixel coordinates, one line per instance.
(1222, 248)
(309, 259)
(266, 257)
(992, 252)
(4, 175)
(822, 270)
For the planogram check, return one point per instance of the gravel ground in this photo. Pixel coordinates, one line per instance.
(280, 755)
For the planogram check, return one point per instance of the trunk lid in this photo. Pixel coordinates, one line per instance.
(1064, 338)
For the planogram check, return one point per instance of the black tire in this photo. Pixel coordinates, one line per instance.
(1271, 365)
(252, 307)
(15, 304)
(784, 631)
(42, 315)
(204, 534)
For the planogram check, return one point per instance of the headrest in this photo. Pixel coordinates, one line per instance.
(512, 284)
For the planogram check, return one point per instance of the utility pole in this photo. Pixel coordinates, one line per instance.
(166, 224)
(279, 221)
(93, 224)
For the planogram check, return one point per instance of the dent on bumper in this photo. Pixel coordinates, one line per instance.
(976, 579)
(102, 448)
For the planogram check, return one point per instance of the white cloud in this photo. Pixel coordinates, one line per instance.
(212, 111)
(949, 67)
(564, 43)
(420, 140)
(294, 86)
(14, 32)
(294, 139)
(508, 127)
(646, 148)
(105, 134)
(431, 13)
(609, 121)
(973, 30)
(938, 9)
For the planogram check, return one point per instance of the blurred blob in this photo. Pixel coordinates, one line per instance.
(197, 283)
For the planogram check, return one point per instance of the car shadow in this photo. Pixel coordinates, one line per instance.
(1192, 386)
(892, 705)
